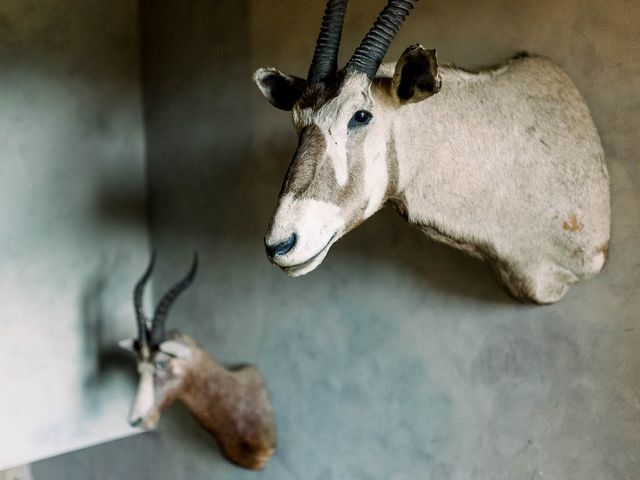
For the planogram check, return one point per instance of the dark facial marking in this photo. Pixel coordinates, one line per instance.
(311, 174)
(351, 197)
(392, 169)
(304, 166)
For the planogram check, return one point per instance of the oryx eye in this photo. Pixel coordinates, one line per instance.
(360, 119)
(160, 364)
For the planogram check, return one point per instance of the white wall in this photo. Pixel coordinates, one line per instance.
(72, 225)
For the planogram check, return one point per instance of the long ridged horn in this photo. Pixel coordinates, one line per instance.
(158, 334)
(368, 56)
(325, 56)
(138, 292)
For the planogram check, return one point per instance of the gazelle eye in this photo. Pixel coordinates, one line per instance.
(360, 119)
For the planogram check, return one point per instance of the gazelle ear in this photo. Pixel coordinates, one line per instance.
(282, 90)
(175, 349)
(416, 76)
(127, 344)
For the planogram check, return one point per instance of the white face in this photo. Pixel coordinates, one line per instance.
(161, 374)
(338, 177)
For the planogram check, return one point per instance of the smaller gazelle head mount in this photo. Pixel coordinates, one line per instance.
(160, 356)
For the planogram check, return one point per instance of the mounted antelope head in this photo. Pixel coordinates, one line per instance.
(505, 164)
(231, 405)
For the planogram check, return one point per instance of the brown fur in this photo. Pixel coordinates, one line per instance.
(572, 225)
(233, 406)
(392, 169)
(306, 168)
(317, 94)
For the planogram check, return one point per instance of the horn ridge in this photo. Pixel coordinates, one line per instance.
(325, 56)
(369, 55)
(138, 293)
(158, 334)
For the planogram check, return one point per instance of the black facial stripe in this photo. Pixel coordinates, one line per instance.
(393, 173)
(312, 174)
(302, 170)
(347, 198)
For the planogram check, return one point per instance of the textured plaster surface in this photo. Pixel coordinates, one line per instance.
(398, 358)
(72, 229)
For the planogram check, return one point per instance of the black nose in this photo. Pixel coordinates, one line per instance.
(136, 423)
(281, 248)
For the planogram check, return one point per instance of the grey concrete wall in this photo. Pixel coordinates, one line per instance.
(72, 221)
(398, 358)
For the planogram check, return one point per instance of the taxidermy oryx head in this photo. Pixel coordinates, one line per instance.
(338, 176)
(504, 164)
(231, 405)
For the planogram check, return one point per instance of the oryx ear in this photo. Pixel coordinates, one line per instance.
(416, 76)
(175, 349)
(282, 90)
(127, 344)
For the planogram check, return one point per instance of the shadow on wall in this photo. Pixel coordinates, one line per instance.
(102, 355)
(119, 203)
(33, 46)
